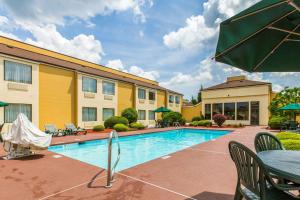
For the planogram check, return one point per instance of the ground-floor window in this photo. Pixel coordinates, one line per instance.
(12, 110)
(207, 111)
(242, 110)
(141, 115)
(217, 108)
(151, 115)
(229, 111)
(107, 113)
(89, 114)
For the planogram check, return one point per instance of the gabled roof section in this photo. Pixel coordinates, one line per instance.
(233, 83)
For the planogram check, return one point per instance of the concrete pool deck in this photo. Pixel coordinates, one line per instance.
(203, 172)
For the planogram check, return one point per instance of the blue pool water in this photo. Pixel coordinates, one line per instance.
(137, 149)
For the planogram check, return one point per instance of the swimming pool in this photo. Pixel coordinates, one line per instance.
(137, 149)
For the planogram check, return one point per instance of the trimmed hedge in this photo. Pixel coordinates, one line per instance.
(288, 135)
(137, 125)
(291, 144)
(130, 114)
(201, 123)
(98, 128)
(276, 121)
(112, 121)
(198, 118)
(121, 127)
(290, 140)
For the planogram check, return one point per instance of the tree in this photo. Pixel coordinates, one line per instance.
(199, 94)
(193, 101)
(285, 97)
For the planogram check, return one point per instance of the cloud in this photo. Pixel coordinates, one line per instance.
(202, 30)
(82, 46)
(41, 12)
(118, 65)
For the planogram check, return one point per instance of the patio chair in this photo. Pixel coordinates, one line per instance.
(52, 130)
(293, 125)
(73, 130)
(265, 141)
(254, 181)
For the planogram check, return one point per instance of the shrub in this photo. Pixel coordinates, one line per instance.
(98, 128)
(172, 117)
(197, 118)
(201, 123)
(137, 125)
(291, 144)
(120, 127)
(219, 119)
(288, 135)
(276, 121)
(194, 123)
(110, 122)
(130, 114)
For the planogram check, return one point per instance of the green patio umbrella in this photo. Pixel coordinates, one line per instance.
(3, 104)
(262, 38)
(291, 107)
(162, 110)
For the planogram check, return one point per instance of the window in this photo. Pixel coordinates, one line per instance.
(12, 110)
(108, 88)
(151, 115)
(17, 72)
(141, 93)
(229, 111)
(217, 108)
(142, 115)
(177, 99)
(107, 113)
(242, 110)
(171, 99)
(89, 84)
(207, 111)
(89, 114)
(152, 95)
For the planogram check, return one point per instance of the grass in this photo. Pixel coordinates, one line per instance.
(290, 140)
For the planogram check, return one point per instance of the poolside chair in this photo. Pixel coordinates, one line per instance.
(265, 141)
(52, 130)
(293, 125)
(254, 181)
(73, 130)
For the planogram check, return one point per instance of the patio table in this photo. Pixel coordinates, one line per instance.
(283, 163)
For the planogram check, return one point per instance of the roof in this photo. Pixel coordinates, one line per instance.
(237, 83)
(33, 56)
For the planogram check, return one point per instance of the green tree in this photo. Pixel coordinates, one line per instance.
(285, 97)
(194, 101)
(199, 98)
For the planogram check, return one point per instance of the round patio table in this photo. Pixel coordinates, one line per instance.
(283, 163)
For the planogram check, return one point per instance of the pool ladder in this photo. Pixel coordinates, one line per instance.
(111, 168)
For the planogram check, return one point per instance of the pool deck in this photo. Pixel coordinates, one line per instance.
(203, 172)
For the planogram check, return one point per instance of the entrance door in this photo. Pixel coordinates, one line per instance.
(254, 113)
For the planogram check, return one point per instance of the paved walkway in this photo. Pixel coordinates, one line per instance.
(202, 172)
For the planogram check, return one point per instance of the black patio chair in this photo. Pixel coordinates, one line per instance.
(254, 181)
(265, 141)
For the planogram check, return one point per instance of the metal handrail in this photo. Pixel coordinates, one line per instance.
(111, 170)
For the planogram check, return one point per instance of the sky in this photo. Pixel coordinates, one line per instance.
(170, 41)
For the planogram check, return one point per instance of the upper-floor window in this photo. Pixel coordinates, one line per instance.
(177, 99)
(171, 99)
(141, 93)
(17, 72)
(12, 110)
(89, 84)
(152, 95)
(108, 88)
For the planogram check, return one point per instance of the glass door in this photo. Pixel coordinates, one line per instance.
(254, 113)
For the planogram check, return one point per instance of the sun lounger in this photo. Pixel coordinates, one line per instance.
(73, 130)
(52, 130)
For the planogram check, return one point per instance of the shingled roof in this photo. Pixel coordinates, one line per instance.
(237, 83)
(29, 55)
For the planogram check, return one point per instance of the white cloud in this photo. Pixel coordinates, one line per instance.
(202, 30)
(43, 12)
(141, 33)
(118, 65)
(82, 46)
(277, 87)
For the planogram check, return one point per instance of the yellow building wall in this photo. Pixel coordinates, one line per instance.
(161, 101)
(39, 50)
(57, 96)
(125, 96)
(188, 112)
